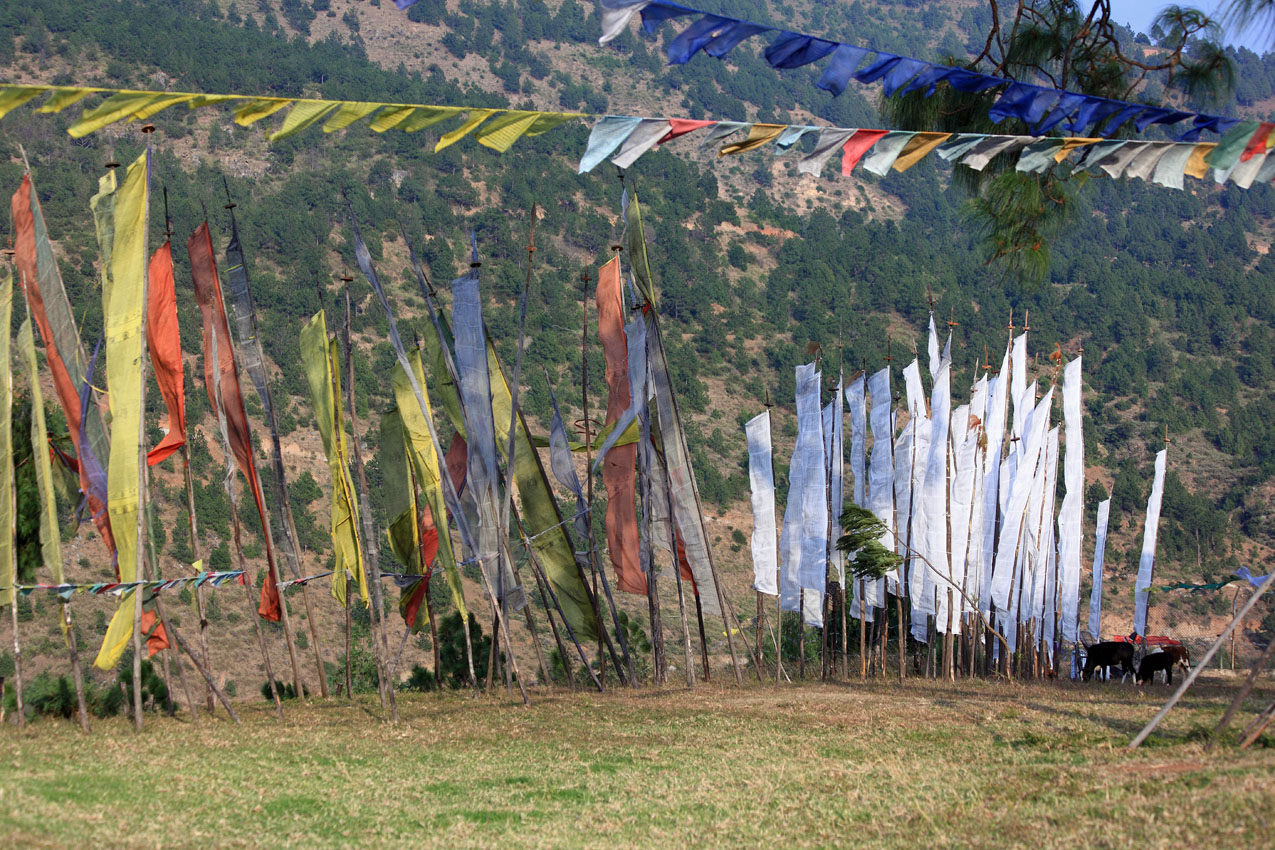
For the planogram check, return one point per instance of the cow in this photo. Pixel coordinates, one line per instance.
(1154, 662)
(1109, 654)
(1181, 657)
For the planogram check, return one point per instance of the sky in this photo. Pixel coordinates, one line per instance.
(1138, 15)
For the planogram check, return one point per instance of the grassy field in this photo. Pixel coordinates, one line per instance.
(971, 764)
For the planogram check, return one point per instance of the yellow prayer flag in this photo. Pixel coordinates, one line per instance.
(123, 305)
(917, 148)
(501, 133)
(348, 114)
(758, 135)
(305, 113)
(1070, 145)
(11, 97)
(1197, 165)
(254, 110)
(118, 106)
(476, 117)
(62, 98)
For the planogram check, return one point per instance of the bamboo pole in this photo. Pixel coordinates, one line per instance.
(1208, 656)
(17, 647)
(76, 672)
(546, 587)
(200, 607)
(1243, 693)
(199, 664)
(370, 542)
(252, 609)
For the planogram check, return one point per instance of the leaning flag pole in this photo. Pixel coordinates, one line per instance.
(371, 545)
(253, 358)
(7, 487)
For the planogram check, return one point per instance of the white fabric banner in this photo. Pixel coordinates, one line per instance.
(1146, 564)
(933, 349)
(1099, 554)
(997, 400)
(903, 459)
(963, 472)
(805, 477)
(934, 495)
(761, 478)
(1015, 512)
(857, 403)
(834, 452)
(881, 469)
(1018, 382)
(1069, 518)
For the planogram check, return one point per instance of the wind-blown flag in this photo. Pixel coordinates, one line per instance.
(805, 515)
(1069, 525)
(834, 457)
(50, 534)
(164, 342)
(881, 465)
(619, 471)
(424, 458)
(318, 354)
(123, 306)
(1011, 535)
(1099, 554)
(221, 380)
(47, 301)
(761, 479)
(1146, 563)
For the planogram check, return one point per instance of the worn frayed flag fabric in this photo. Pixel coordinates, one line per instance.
(619, 470)
(1069, 519)
(805, 485)
(881, 468)
(1099, 555)
(1146, 562)
(761, 479)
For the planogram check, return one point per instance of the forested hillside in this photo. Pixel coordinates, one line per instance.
(1167, 293)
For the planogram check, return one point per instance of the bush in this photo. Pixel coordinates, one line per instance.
(451, 650)
(420, 680)
(286, 690)
(45, 696)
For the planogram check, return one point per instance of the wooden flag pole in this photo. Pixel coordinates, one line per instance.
(371, 544)
(1208, 656)
(1243, 693)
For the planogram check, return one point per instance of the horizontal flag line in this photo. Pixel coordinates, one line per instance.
(1041, 107)
(1240, 157)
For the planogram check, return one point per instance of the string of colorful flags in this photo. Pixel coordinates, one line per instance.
(1041, 108)
(119, 588)
(1239, 158)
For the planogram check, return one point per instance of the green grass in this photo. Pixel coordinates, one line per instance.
(972, 764)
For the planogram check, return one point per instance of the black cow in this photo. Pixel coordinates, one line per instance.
(1109, 654)
(1154, 662)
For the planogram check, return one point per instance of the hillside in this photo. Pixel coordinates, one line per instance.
(1166, 293)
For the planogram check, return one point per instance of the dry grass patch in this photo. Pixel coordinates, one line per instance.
(974, 764)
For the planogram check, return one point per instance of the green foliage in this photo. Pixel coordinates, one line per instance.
(421, 680)
(862, 541)
(285, 690)
(451, 650)
(154, 691)
(47, 696)
(363, 679)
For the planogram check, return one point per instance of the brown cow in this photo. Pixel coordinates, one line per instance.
(1181, 657)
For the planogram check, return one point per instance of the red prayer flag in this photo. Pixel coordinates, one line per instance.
(856, 146)
(1257, 143)
(23, 206)
(619, 472)
(680, 127)
(166, 351)
(225, 374)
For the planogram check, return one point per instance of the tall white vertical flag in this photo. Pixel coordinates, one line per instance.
(834, 452)
(803, 550)
(1069, 518)
(1099, 553)
(933, 349)
(998, 394)
(1146, 564)
(881, 468)
(1011, 537)
(761, 478)
(857, 403)
(935, 492)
